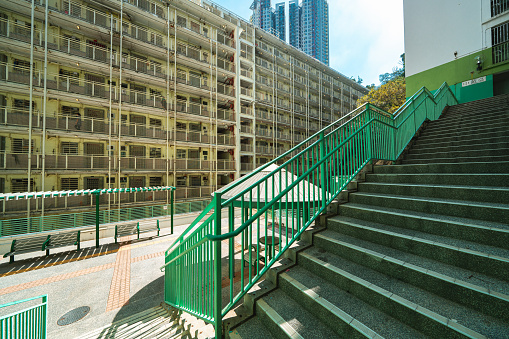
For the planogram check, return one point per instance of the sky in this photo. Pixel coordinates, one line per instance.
(366, 36)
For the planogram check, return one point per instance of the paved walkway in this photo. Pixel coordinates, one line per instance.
(114, 280)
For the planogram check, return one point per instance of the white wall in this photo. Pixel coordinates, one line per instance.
(435, 29)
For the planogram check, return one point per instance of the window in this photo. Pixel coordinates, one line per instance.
(94, 113)
(195, 181)
(181, 21)
(194, 127)
(69, 147)
(92, 183)
(155, 152)
(21, 145)
(155, 122)
(94, 148)
(181, 154)
(136, 151)
(137, 119)
(21, 185)
(67, 184)
(181, 126)
(21, 66)
(70, 111)
(23, 104)
(500, 42)
(499, 6)
(181, 181)
(155, 181)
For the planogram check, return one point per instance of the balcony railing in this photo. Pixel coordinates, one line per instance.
(225, 165)
(246, 148)
(194, 192)
(193, 136)
(225, 114)
(14, 161)
(246, 166)
(246, 110)
(190, 164)
(246, 129)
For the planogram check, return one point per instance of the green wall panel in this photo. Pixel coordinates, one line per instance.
(457, 71)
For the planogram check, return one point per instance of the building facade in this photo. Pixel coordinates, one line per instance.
(148, 93)
(280, 20)
(294, 24)
(315, 29)
(465, 43)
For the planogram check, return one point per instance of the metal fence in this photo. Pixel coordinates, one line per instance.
(29, 322)
(81, 219)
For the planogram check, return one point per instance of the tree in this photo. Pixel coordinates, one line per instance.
(389, 96)
(397, 72)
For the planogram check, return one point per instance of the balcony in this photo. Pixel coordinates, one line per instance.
(19, 161)
(226, 90)
(246, 166)
(262, 132)
(194, 192)
(192, 108)
(246, 129)
(246, 110)
(246, 148)
(191, 164)
(226, 140)
(225, 165)
(192, 136)
(246, 91)
(225, 114)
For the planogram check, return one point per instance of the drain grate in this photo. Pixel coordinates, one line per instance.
(73, 316)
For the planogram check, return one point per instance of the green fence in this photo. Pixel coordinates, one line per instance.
(300, 188)
(29, 322)
(80, 219)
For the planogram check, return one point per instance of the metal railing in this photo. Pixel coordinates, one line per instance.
(293, 195)
(30, 322)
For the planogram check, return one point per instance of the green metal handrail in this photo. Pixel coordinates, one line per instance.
(30, 322)
(267, 217)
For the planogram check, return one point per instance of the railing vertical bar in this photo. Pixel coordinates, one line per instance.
(231, 264)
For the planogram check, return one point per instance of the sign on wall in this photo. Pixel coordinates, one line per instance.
(473, 81)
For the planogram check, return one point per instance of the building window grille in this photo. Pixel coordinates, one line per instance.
(21, 145)
(500, 43)
(67, 184)
(21, 185)
(69, 147)
(155, 152)
(181, 154)
(93, 183)
(155, 122)
(70, 111)
(21, 66)
(155, 181)
(499, 6)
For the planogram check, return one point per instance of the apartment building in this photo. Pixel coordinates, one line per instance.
(145, 93)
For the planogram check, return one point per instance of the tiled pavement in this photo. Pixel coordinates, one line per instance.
(114, 280)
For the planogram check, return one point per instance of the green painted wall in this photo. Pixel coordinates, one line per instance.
(457, 71)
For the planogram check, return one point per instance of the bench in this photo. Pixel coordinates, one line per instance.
(27, 245)
(62, 240)
(43, 243)
(135, 228)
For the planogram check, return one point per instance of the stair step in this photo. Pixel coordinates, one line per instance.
(487, 233)
(488, 260)
(348, 315)
(468, 118)
(474, 168)
(471, 193)
(482, 132)
(420, 279)
(448, 148)
(478, 179)
(460, 125)
(431, 144)
(447, 207)
(458, 159)
(417, 308)
(285, 317)
(251, 329)
(473, 153)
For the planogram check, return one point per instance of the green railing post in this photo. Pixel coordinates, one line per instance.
(171, 210)
(97, 220)
(217, 267)
(322, 168)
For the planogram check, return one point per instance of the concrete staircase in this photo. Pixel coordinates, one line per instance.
(421, 249)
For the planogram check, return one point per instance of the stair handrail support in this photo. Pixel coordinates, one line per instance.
(273, 218)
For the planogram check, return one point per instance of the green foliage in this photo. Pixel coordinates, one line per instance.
(397, 72)
(389, 96)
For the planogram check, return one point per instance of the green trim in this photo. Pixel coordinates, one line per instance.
(457, 71)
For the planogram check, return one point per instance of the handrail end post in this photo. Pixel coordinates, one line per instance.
(217, 267)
